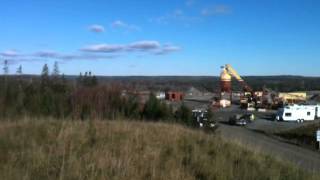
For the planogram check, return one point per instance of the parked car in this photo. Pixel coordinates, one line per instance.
(241, 119)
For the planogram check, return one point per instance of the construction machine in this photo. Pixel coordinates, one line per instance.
(234, 74)
(248, 99)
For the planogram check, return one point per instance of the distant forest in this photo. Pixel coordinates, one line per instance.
(211, 83)
(203, 83)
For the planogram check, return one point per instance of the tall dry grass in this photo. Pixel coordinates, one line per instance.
(127, 150)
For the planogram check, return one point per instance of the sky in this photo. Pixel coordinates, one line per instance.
(162, 37)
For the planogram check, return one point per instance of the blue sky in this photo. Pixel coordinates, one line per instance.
(162, 37)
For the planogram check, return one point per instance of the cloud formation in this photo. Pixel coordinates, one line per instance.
(9, 53)
(186, 16)
(93, 52)
(216, 10)
(96, 28)
(105, 48)
(66, 57)
(168, 49)
(146, 46)
(177, 15)
(118, 24)
(46, 54)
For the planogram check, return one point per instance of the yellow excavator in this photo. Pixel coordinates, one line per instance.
(234, 74)
(248, 99)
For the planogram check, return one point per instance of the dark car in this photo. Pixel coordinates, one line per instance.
(241, 119)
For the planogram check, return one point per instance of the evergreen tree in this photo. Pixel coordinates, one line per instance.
(80, 80)
(94, 81)
(56, 71)
(45, 75)
(184, 115)
(154, 109)
(45, 71)
(19, 70)
(63, 78)
(5, 67)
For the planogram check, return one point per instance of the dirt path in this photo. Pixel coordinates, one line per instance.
(306, 159)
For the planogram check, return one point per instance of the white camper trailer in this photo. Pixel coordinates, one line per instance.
(317, 111)
(298, 113)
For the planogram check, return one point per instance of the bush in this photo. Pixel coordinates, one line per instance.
(154, 109)
(184, 115)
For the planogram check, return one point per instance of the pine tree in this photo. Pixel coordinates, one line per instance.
(45, 75)
(56, 71)
(184, 115)
(5, 67)
(45, 70)
(94, 81)
(46, 102)
(80, 80)
(19, 70)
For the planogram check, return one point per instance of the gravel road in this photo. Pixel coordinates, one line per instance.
(305, 158)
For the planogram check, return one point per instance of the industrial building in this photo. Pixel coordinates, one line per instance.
(174, 96)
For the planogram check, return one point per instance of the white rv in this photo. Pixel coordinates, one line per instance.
(298, 113)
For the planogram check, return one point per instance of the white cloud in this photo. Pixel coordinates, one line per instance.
(96, 28)
(146, 46)
(94, 52)
(9, 53)
(85, 57)
(166, 49)
(177, 15)
(106, 48)
(122, 25)
(47, 54)
(216, 10)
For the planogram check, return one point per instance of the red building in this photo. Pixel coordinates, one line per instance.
(174, 96)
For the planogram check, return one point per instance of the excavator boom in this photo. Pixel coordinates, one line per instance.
(234, 73)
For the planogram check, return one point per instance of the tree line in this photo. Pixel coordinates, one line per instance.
(53, 95)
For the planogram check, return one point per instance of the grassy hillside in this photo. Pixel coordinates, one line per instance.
(127, 150)
(305, 135)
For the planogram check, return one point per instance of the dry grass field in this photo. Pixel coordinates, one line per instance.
(53, 149)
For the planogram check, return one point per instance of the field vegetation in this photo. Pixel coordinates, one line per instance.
(51, 149)
(304, 136)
